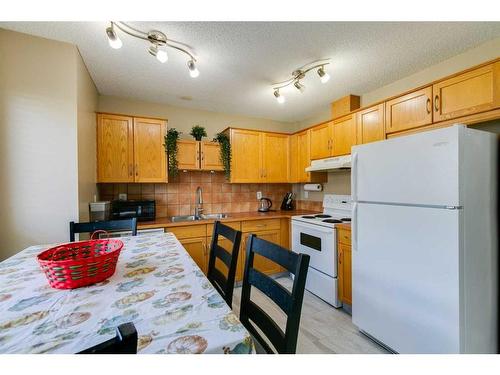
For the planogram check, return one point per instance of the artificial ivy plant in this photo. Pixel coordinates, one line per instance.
(225, 152)
(171, 149)
(198, 132)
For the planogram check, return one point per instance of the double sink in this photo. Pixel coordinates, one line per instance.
(180, 218)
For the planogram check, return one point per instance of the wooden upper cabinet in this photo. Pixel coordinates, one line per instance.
(115, 148)
(370, 124)
(210, 156)
(246, 152)
(293, 165)
(468, 93)
(409, 111)
(150, 161)
(188, 154)
(275, 157)
(344, 135)
(321, 139)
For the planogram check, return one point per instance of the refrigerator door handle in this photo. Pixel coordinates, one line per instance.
(354, 192)
(354, 227)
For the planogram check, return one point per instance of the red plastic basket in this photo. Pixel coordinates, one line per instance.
(76, 264)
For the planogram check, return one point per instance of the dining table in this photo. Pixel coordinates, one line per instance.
(157, 286)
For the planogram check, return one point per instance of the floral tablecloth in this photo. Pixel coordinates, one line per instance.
(157, 286)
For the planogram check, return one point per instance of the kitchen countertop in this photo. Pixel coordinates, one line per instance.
(236, 216)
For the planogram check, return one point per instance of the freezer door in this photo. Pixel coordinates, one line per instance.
(406, 277)
(420, 169)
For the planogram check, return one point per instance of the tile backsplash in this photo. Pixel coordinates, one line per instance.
(178, 196)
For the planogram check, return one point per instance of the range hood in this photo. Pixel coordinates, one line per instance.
(330, 164)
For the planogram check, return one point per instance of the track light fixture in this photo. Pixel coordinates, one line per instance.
(299, 74)
(158, 43)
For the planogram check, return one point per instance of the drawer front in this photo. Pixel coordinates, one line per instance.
(233, 224)
(188, 231)
(344, 236)
(257, 225)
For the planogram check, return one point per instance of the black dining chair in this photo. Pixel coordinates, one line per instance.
(224, 284)
(111, 225)
(125, 342)
(290, 303)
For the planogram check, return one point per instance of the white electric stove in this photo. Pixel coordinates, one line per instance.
(316, 236)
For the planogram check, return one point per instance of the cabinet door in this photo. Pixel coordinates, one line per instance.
(370, 124)
(472, 92)
(340, 273)
(275, 157)
(321, 138)
(246, 151)
(210, 156)
(149, 153)
(188, 154)
(344, 136)
(262, 264)
(346, 266)
(409, 111)
(197, 249)
(293, 165)
(115, 148)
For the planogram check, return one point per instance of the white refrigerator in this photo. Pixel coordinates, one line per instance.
(424, 246)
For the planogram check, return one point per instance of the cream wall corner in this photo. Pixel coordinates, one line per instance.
(39, 187)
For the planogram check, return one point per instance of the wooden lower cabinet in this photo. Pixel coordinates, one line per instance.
(260, 263)
(344, 265)
(198, 250)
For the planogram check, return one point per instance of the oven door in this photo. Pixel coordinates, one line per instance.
(319, 243)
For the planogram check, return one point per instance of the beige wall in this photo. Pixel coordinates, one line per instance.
(87, 101)
(475, 56)
(184, 119)
(38, 138)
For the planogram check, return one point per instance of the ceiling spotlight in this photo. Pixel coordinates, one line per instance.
(160, 54)
(113, 39)
(323, 76)
(299, 86)
(193, 70)
(279, 98)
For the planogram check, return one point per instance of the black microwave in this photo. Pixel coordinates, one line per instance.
(143, 210)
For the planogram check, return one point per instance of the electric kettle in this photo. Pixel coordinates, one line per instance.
(265, 204)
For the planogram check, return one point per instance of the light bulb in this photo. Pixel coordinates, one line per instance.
(279, 98)
(113, 40)
(162, 56)
(193, 71)
(323, 76)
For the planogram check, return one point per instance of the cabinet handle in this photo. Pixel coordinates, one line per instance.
(428, 105)
(436, 101)
(137, 170)
(130, 170)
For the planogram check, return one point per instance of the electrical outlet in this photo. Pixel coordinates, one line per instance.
(306, 194)
(259, 194)
(122, 197)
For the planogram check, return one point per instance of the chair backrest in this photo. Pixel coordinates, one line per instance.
(125, 342)
(111, 225)
(289, 303)
(224, 284)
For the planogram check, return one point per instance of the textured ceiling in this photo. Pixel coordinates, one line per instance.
(239, 61)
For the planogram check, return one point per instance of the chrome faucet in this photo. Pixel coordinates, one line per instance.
(198, 208)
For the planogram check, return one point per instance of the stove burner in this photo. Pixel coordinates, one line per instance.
(322, 216)
(333, 221)
(308, 217)
(346, 219)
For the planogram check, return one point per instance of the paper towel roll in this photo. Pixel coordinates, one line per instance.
(313, 187)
